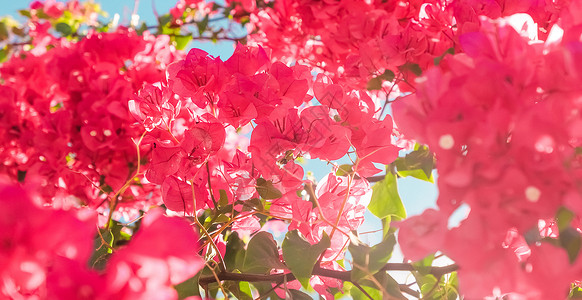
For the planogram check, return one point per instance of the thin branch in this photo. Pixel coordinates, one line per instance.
(318, 271)
(404, 288)
(436, 271)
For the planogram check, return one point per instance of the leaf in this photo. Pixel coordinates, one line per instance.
(418, 164)
(262, 255)
(267, 190)
(386, 200)
(25, 13)
(374, 84)
(387, 284)
(64, 29)
(357, 294)
(297, 295)
(369, 260)
(3, 31)
(571, 241)
(235, 252)
(563, 218)
(412, 67)
(424, 266)
(344, 170)
(101, 253)
(235, 288)
(300, 256)
(181, 41)
(388, 75)
(202, 25)
(437, 60)
(188, 288)
(266, 290)
(223, 200)
(245, 288)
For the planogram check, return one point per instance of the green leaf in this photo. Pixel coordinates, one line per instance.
(262, 254)
(297, 295)
(386, 200)
(344, 170)
(223, 200)
(235, 252)
(3, 31)
(388, 75)
(266, 290)
(267, 190)
(369, 260)
(235, 288)
(202, 25)
(101, 253)
(571, 241)
(181, 41)
(64, 29)
(418, 164)
(412, 67)
(387, 284)
(164, 20)
(188, 288)
(300, 256)
(563, 218)
(437, 60)
(245, 288)
(424, 266)
(21, 175)
(374, 84)
(357, 294)
(25, 13)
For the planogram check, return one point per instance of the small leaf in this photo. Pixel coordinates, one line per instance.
(437, 60)
(297, 295)
(102, 252)
(300, 256)
(188, 288)
(563, 218)
(418, 164)
(3, 31)
(235, 252)
(344, 170)
(369, 260)
(267, 190)
(387, 284)
(245, 288)
(262, 254)
(181, 41)
(202, 25)
(571, 241)
(21, 175)
(235, 288)
(64, 29)
(223, 200)
(388, 75)
(424, 266)
(412, 67)
(374, 84)
(386, 200)
(25, 13)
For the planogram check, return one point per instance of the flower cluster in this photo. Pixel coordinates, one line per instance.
(66, 128)
(357, 40)
(503, 120)
(197, 157)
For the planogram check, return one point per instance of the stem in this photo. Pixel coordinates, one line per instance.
(318, 271)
